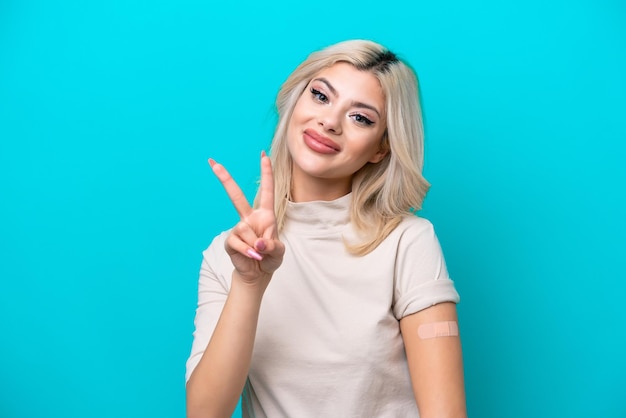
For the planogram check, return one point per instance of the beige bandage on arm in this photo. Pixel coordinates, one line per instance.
(438, 329)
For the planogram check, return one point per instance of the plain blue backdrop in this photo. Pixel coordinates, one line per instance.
(109, 110)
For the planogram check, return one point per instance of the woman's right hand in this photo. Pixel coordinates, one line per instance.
(253, 244)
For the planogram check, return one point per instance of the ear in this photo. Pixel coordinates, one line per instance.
(383, 150)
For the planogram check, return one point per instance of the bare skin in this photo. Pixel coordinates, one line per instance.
(321, 116)
(435, 364)
(217, 382)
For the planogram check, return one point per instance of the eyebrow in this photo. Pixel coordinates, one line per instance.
(355, 104)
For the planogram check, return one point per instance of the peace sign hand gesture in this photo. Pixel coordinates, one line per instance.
(253, 243)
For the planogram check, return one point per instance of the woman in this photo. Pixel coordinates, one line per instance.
(330, 298)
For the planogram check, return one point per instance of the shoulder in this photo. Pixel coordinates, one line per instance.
(412, 235)
(421, 278)
(215, 256)
(415, 237)
(217, 244)
(414, 227)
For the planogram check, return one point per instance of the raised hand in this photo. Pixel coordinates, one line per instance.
(253, 243)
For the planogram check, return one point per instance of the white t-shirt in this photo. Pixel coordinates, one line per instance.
(328, 341)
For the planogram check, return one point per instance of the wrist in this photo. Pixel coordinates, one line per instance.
(255, 286)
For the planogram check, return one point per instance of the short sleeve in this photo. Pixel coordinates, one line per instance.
(213, 288)
(421, 276)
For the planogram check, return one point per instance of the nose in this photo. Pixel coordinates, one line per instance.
(330, 120)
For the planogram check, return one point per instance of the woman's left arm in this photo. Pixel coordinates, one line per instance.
(435, 361)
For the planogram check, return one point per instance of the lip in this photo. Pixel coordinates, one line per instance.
(320, 143)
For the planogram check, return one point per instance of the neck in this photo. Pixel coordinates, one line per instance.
(308, 190)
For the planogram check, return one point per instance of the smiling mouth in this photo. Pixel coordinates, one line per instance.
(320, 143)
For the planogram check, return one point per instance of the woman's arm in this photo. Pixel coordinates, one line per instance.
(217, 381)
(435, 362)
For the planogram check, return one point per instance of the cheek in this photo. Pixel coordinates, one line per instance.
(305, 109)
(292, 126)
(292, 132)
(368, 144)
(292, 120)
(298, 116)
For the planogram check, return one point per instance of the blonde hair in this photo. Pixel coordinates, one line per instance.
(382, 193)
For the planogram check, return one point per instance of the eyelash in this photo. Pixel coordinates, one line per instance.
(358, 118)
(318, 95)
(363, 119)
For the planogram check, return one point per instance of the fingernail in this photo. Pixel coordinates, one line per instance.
(254, 254)
(211, 162)
(260, 245)
(263, 154)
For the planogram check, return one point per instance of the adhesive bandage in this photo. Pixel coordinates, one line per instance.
(438, 329)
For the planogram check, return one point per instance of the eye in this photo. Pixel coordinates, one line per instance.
(319, 96)
(362, 120)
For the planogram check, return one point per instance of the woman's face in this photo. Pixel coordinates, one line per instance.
(336, 128)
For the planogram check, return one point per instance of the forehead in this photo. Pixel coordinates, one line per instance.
(354, 84)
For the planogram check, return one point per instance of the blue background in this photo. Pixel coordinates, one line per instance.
(109, 110)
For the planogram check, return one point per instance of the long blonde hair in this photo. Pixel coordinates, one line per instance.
(384, 192)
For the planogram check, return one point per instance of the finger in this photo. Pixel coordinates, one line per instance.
(273, 257)
(267, 184)
(235, 245)
(245, 232)
(271, 247)
(232, 189)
